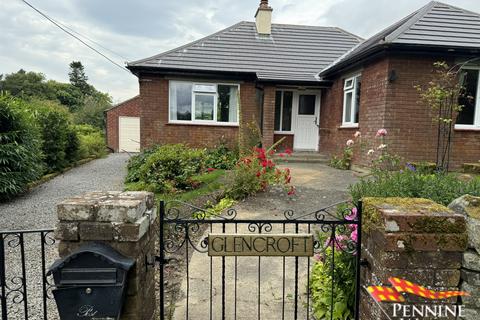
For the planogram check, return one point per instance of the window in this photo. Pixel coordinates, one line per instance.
(306, 104)
(351, 100)
(283, 110)
(203, 103)
(469, 116)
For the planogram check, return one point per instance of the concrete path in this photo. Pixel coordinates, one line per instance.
(260, 287)
(36, 209)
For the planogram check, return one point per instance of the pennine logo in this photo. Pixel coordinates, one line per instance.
(405, 311)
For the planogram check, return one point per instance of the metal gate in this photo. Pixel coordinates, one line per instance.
(194, 285)
(25, 289)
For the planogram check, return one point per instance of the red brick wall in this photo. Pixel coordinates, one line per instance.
(394, 106)
(412, 132)
(372, 100)
(286, 144)
(268, 116)
(157, 130)
(129, 108)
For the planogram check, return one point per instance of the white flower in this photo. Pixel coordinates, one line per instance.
(357, 134)
(350, 143)
(382, 146)
(370, 152)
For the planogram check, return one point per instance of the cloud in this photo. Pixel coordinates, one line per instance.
(142, 28)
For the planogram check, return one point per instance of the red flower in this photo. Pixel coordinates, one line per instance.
(291, 191)
(258, 174)
(211, 169)
(281, 155)
(264, 163)
(288, 151)
(271, 152)
(287, 179)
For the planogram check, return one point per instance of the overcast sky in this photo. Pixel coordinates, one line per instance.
(136, 29)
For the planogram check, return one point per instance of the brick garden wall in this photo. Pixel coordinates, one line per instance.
(129, 108)
(412, 239)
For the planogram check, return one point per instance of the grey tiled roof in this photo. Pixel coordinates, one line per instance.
(291, 52)
(436, 25)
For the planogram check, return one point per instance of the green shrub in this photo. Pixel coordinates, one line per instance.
(136, 162)
(442, 188)
(171, 168)
(91, 141)
(343, 290)
(220, 157)
(72, 149)
(54, 123)
(20, 152)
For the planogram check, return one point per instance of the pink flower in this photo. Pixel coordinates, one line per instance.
(350, 143)
(381, 133)
(354, 235)
(382, 146)
(353, 215)
(281, 155)
(357, 134)
(211, 169)
(339, 242)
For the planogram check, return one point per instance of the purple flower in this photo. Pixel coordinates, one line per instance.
(411, 167)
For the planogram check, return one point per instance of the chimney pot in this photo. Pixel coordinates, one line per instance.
(263, 18)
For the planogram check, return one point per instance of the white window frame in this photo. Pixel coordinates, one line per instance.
(281, 113)
(194, 93)
(352, 88)
(476, 119)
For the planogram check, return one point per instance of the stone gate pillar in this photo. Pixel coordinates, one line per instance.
(125, 221)
(413, 239)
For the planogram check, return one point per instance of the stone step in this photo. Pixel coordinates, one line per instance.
(303, 157)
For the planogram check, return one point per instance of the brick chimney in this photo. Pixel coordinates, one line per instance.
(263, 18)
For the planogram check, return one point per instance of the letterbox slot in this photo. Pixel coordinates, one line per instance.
(88, 276)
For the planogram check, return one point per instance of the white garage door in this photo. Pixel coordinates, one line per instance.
(129, 134)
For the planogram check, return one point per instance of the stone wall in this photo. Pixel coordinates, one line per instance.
(470, 207)
(413, 239)
(125, 221)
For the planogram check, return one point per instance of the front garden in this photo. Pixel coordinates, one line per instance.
(388, 178)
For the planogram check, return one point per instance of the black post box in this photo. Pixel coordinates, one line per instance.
(91, 283)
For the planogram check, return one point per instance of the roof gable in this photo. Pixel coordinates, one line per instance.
(291, 52)
(434, 25)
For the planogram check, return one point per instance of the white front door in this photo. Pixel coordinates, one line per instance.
(306, 108)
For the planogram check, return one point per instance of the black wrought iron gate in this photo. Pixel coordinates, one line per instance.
(194, 285)
(25, 289)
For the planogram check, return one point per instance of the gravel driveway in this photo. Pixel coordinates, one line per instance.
(37, 210)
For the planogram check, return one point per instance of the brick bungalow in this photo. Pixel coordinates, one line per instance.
(316, 86)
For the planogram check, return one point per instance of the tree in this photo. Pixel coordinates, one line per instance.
(78, 78)
(442, 96)
(92, 111)
(25, 84)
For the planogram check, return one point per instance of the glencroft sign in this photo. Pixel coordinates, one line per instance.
(293, 245)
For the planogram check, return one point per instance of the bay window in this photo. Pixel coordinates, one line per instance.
(205, 103)
(351, 101)
(469, 116)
